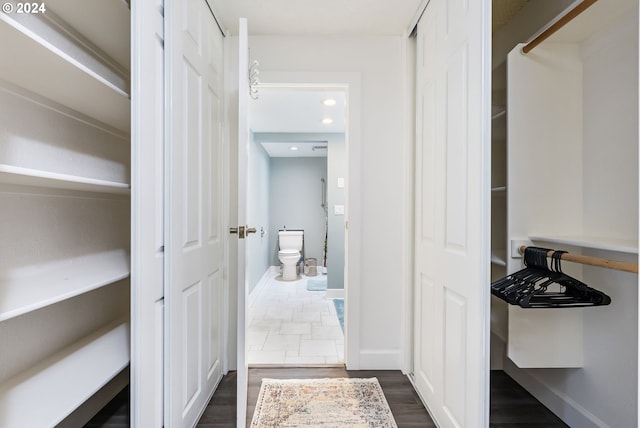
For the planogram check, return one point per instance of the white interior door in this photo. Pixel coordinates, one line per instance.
(452, 212)
(243, 154)
(194, 304)
(147, 218)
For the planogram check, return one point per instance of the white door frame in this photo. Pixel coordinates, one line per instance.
(331, 293)
(241, 219)
(353, 268)
(350, 83)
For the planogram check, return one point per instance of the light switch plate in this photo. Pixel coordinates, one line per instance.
(338, 209)
(340, 182)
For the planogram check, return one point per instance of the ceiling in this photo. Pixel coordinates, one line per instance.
(285, 117)
(335, 17)
(313, 17)
(503, 10)
(296, 110)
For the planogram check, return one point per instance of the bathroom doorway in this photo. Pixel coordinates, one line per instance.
(297, 181)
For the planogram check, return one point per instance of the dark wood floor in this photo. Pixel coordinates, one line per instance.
(405, 404)
(115, 414)
(511, 405)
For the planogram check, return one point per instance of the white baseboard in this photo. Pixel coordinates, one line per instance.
(335, 293)
(383, 359)
(257, 290)
(572, 413)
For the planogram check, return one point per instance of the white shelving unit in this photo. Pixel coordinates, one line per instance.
(498, 211)
(573, 185)
(65, 197)
(499, 189)
(107, 349)
(61, 281)
(67, 80)
(10, 174)
(629, 246)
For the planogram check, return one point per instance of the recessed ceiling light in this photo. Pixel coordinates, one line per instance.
(293, 148)
(327, 121)
(329, 102)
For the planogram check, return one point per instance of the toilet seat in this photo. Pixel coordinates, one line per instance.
(289, 252)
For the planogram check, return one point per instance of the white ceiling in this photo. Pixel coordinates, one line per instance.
(296, 110)
(503, 10)
(313, 17)
(293, 117)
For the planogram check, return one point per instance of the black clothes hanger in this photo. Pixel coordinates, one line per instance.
(539, 285)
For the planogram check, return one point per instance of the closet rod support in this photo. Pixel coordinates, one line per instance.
(564, 20)
(593, 261)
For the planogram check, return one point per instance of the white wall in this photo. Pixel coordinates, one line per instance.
(258, 213)
(378, 199)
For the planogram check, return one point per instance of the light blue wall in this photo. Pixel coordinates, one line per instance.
(295, 202)
(257, 213)
(287, 192)
(337, 167)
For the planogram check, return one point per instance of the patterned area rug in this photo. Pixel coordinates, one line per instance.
(326, 403)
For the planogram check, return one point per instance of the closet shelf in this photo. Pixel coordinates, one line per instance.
(63, 72)
(60, 281)
(598, 243)
(106, 24)
(47, 393)
(498, 113)
(10, 174)
(499, 257)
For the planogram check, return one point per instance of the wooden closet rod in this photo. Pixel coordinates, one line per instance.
(593, 261)
(558, 25)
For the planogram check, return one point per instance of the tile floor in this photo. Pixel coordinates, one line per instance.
(289, 325)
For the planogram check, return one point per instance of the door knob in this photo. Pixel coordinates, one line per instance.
(242, 231)
(237, 230)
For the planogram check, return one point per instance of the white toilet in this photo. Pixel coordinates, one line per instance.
(290, 245)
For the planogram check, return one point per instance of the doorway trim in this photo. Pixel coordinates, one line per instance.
(350, 83)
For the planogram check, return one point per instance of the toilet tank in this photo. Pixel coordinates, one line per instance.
(290, 239)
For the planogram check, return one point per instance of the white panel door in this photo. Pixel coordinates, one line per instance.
(194, 202)
(243, 155)
(147, 222)
(452, 262)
